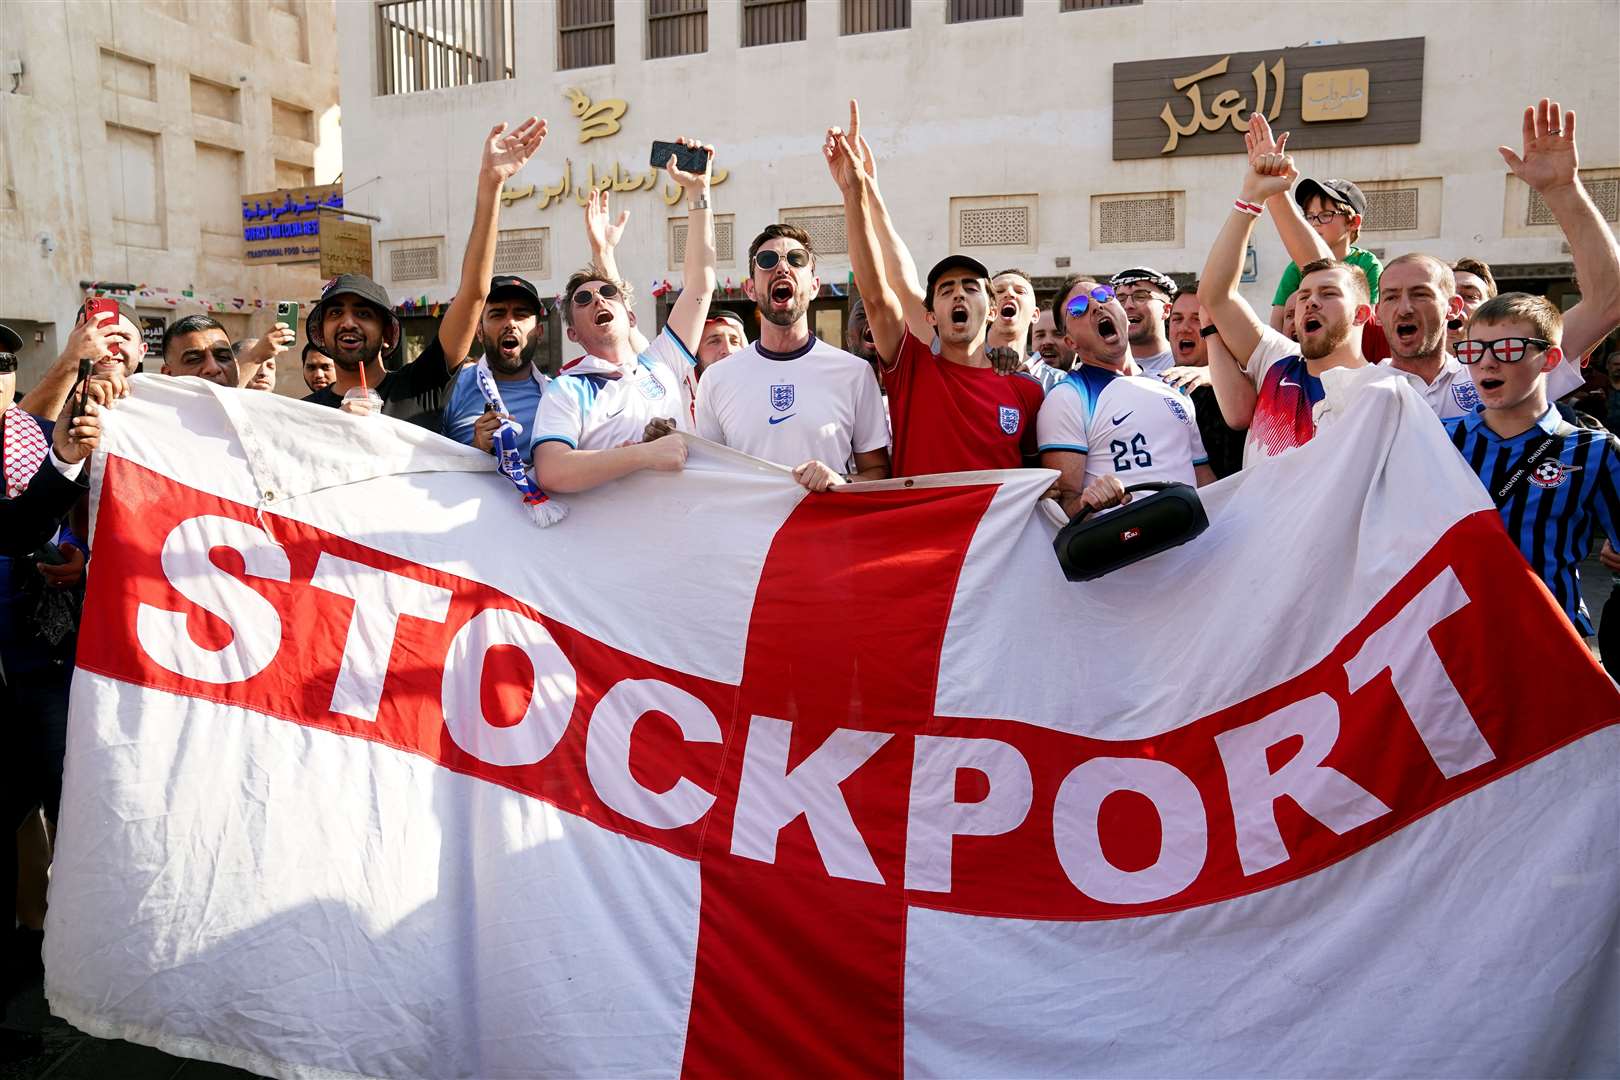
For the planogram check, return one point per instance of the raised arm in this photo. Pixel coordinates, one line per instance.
(697, 284)
(1303, 244)
(86, 340)
(1235, 392)
(603, 233)
(1550, 165)
(1266, 175)
(898, 266)
(504, 154)
(883, 308)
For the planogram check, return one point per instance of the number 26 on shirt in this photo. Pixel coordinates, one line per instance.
(1136, 451)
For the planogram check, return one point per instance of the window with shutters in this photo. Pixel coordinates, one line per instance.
(1605, 192)
(870, 16)
(994, 221)
(1401, 209)
(823, 224)
(725, 233)
(584, 33)
(677, 28)
(410, 261)
(1142, 220)
(522, 252)
(436, 44)
(976, 10)
(772, 22)
(1394, 210)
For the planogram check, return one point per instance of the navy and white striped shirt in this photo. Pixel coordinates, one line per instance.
(1550, 516)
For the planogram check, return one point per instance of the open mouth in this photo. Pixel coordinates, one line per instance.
(603, 317)
(1009, 311)
(1490, 384)
(1186, 346)
(349, 339)
(1311, 325)
(1406, 331)
(867, 339)
(510, 343)
(1134, 320)
(782, 292)
(1048, 352)
(959, 316)
(1107, 329)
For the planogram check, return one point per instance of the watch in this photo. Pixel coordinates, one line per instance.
(1208, 331)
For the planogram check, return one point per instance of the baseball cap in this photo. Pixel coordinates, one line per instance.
(954, 262)
(725, 315)
(1342, 191)
(1162, 282)
(352, 285)
(511, 283)
(10, 340)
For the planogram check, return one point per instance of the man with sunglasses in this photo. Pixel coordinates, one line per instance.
(1551, 481)
(790, 397)
(956, 407)
(1104, 427)
(594, 415)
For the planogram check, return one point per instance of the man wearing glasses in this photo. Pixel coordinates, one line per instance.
(1104, 428)
(1146, 296)
(956, 407)
(593, 416)
(790, 397)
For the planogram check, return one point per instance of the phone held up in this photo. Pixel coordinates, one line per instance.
(692, 159)
(287, 314)
(103, 312)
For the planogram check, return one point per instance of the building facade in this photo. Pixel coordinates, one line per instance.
(130, 130)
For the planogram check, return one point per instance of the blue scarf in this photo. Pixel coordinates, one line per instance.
(543, 509)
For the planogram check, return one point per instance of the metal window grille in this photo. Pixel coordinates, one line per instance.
(869, 16)
(677, 28)
(416, 263)
(725, 232)
(975, 10)
(1136, 221)
(522, 251)
(825, 226)
(1605, 193)
(435, 44)
(1391, 210)
(771, 22)
(584, 33)
(1093, 5)
(994, 226)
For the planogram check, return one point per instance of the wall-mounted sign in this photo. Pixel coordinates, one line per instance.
(284, 226)
(152, 327)
(1363, 94)
(345, 247)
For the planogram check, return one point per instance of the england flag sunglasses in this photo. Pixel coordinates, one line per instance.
(1508, 350)
(1077, 305)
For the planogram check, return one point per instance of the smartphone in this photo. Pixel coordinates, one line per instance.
(103, 312)
(287, 314)
(85, 364)
(692, 159)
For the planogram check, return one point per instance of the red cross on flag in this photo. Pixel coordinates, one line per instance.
(369, 777)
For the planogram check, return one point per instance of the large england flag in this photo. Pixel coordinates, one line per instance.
(369, 776)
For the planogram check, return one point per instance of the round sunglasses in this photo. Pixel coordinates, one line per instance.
(606, 291)
(796, 257)
(1077, 305)
(1508, 350)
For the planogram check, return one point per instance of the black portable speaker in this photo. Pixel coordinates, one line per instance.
(1089, 547)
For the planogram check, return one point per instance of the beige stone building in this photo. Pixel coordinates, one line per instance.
(130, 130)
(1031, 133)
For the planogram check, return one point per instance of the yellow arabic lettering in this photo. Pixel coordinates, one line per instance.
(512, 195)
(596, 121)
(1228, 107)
(1195, 96)
(560, 188)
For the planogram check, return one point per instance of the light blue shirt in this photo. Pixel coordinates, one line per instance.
(466, 405)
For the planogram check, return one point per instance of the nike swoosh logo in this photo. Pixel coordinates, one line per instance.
(1121, 418)
(611, 415)
(774, 420)
(1288, 382)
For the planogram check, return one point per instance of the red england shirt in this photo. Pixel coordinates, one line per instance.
(951, 418)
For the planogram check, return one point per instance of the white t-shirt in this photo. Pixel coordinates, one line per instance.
(817, 403)
(1292, 403)
(1452, 393)
(1155, 365)
(594, 405)
(1130, 426)
(1044, 373)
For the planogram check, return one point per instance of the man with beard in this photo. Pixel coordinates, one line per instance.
(1145, 294)
(1190, 343)
(790, 397)
(592, 420)
(1052, 358)
(723, 335)
(1333, 306)
(354, 324)
(511, 333)
(319, 372)
(956, 407)
(1104, 427)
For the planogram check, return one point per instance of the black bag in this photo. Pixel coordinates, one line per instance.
(1168, 518)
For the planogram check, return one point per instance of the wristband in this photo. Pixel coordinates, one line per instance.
(1208, 331)
(1252, 209)
(701, 204)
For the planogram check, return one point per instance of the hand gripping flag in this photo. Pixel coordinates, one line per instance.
(543, 509)
(367, 778)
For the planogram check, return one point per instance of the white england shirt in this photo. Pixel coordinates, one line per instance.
(594, 405)
(1452, 394)
(816, 403)
(1131, 426)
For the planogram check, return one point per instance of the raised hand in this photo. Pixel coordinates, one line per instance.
(505, 152)
(848, 157)
(1549, 159)
(603, 232)
(1271, 168)
(694, 184)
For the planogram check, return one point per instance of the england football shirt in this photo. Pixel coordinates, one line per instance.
(1452, 394)
(816, 403)
(1130, 426)
(595, 405)
(1291, 404)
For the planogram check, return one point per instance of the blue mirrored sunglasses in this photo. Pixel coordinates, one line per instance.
(1077, 305)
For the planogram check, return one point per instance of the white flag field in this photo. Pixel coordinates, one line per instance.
(369, 776)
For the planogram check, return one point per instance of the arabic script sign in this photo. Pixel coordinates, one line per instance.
(284, 226)
(1360, 94)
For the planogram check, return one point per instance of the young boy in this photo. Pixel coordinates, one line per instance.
(1573, 478)
(1334, 208)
